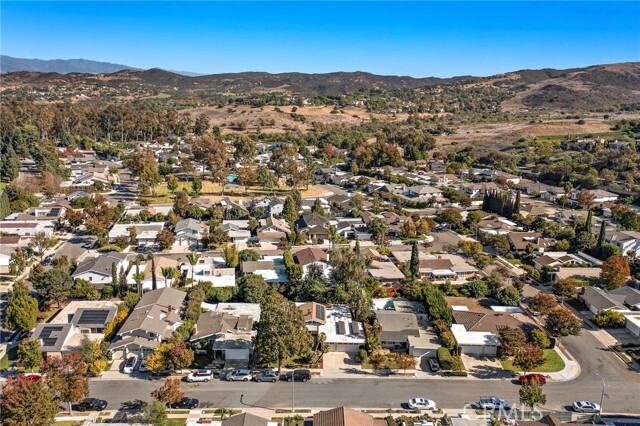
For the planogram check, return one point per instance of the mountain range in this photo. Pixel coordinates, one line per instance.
(67, 66)
(587, 88)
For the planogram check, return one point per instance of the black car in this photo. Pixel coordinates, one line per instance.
(434, 365)
(186, 402)
(298, 376)
(266, 376)
(136, 404)
(92, 404)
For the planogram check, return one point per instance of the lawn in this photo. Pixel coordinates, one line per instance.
(8, 358)
(68, 423)
(176, 422)
(553, 363)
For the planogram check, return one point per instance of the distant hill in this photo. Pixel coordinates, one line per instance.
(61, 66)
(588, 88)
(67, 66)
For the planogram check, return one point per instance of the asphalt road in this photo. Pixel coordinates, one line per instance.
(622, 392)
(73, 248)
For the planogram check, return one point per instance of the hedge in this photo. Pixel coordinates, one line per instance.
(444, 358)
(455, 373)
(108, 248)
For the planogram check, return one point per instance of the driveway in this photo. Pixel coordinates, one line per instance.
(485, 367)
(335, 363)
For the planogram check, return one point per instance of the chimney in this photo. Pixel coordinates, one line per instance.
(169, 309)
(194, 331)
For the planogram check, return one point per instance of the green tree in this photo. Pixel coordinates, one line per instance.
(196, 185)
(193, 259)
(29, 353)
(289, 211)
(172, 183)
(252, 288)
(282, 332)
(531, 394)
(317, 207)
(608, 319)
(511, 339)
(22, 309)
(28, 403)
(561, 322)
(39, 243)
(540, 339)
(156, 414)
(54, 286)
(478, 288)
(165, 239)
(414, 263)
(17, 262)
(565, 288)
(169, 273)
(508, 296)
(230, 255)
(601, 239)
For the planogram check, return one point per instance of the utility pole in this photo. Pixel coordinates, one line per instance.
(601, 397)
(293, 391)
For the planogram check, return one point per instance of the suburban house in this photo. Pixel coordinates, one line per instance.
(146, 233)
(237, 233)
(477, 332)
(211, 270)
(23, 229)
(99, 270)
(585, 274)
(424, 192)
(271, 230)
(599, 196)
(314, 225)
(79, 318)
(523, 241)
(225, 332)
(154, 318)
(621, 299)
(342, 333)
(271, 269)
(445, 267)
(343, 416)
(498, 226)
(402, 330)
(146, 280)
(381, 267)
(224, 336)
(312, 256)
(627, 241)
(189, 231)
(560, 259)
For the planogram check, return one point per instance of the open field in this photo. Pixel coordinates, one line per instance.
(228, 117)
(500, 135)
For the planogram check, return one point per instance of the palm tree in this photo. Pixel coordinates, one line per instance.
(248, 254)
(169, 273)
(193, 261)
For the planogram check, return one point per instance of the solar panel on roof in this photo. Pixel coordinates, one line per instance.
(342, 327)
(356, 327)
(93, 316)
(321, 312)
(47, 340)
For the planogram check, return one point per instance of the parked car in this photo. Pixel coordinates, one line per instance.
(130, 365)
(299, 376)
(33, 377)
(422, 404)
(186, 402)
(92, 404)
(491, 403)
(200, 376)
(586, 407)
(239, 376)
(143, 366)
(136, 404)
(434, 365)
(266, 376)
(526, 379)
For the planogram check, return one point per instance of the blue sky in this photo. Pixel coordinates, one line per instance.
(416, 38)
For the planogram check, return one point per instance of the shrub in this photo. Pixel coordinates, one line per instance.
(108, 248)
(457, 364)
(608, 318)
(448, 340)
(455, 373)
(540, 339)
(445, 359)
(107, 291)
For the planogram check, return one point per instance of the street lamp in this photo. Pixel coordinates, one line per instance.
(601, 397)
(293, 390)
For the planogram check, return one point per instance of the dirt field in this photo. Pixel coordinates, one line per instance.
(229, 116)
(499, 135)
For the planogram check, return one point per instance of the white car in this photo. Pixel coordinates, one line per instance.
(200, 376)
(130, 365)
(586, 407)
(422, 404)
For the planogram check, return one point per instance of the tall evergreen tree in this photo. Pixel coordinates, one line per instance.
(154, 281)
(601, 238)
(588, 225)
(516, 206)
(414, 264)
(290, 211)
(297, 199)
(114, 276)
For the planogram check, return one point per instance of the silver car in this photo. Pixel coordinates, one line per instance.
(200, 376)
(239, 376)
